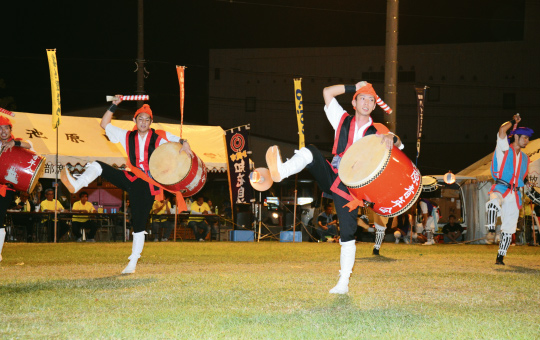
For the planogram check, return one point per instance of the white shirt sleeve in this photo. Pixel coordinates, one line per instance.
(334, 112)
(502, 147)
(116, 134)
(170, 137)
(423, 207)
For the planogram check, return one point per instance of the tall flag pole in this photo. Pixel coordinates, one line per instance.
(56, 115)
(420, 98)
(181, 83)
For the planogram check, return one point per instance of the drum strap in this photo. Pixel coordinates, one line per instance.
(353, 201)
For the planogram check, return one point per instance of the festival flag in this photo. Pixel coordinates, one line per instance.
(238, 160)
(420, 98)
(55, 88)
(299, 110)
(180, 72)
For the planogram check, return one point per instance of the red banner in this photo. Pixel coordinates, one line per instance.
(180, 72)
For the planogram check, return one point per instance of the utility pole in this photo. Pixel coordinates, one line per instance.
(140, 51)
(391, 61)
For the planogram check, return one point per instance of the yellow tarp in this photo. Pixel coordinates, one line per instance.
(82, 140)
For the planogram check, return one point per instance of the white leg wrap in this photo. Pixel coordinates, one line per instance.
(506, 239)
(297, 163)
(379, 236)
(493, 209)
(136, 250)
(348, 253)
(2, 238)
(93, 171)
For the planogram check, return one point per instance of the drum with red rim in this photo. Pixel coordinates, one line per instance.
(21, 168)
(177, 171)
(385, 178)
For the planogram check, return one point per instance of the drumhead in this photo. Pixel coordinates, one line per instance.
(533, 194)
(167, 165)
(363, 161)
(429, 184)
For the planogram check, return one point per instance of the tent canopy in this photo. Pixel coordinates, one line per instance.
(482, 168)
(82, 140)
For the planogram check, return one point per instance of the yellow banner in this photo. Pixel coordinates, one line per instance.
(55, 88)
(299, 110)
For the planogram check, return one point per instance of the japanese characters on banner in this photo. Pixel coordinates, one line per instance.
(420, 98)
(32, 135)
(55, 88)
(238, 164)
(299, 110)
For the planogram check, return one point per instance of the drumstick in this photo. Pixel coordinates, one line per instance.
(124, 98)
(7, 112)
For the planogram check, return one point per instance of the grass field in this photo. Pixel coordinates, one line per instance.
(270, 290)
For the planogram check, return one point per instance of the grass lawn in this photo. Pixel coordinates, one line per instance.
(270, 290)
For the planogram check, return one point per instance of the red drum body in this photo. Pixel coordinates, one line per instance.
(21, 168)
(177, 171)
(386, 178)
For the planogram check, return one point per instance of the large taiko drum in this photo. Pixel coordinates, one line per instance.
(177, 171)
(385, 178)
(21, 168)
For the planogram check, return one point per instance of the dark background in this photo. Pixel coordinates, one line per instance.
(96, 42)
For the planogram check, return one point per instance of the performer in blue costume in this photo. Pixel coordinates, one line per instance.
(509, 169)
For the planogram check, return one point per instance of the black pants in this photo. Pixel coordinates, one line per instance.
(139, 194)
(77, 228)
(325, 177)
(4, 205)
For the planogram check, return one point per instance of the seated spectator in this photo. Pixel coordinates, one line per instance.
(327, 224)
(160, 208)
(81, 222)
(48, 205)
(401, 225)
(452, 231)
(213, 221)
(23, 204)
(199, 207)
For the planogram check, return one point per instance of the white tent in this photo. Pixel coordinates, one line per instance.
(82, 140)
(476, 191)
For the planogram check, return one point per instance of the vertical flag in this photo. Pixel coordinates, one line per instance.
(238, 164)
(420, 98)
(55, 88)
(180, 72)
(299, 110)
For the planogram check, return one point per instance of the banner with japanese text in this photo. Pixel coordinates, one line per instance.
(420, 98)
(238, 157)
(299, 110)
(55, 88)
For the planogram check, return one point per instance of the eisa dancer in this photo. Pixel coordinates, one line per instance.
(139, 145)
(509, 169)
(6, 191)
(349, 129)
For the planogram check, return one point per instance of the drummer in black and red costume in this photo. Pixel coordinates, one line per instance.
(139, 144)
(6, 191)
(349, 128)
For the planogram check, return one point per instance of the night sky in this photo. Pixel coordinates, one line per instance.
(96, 41)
